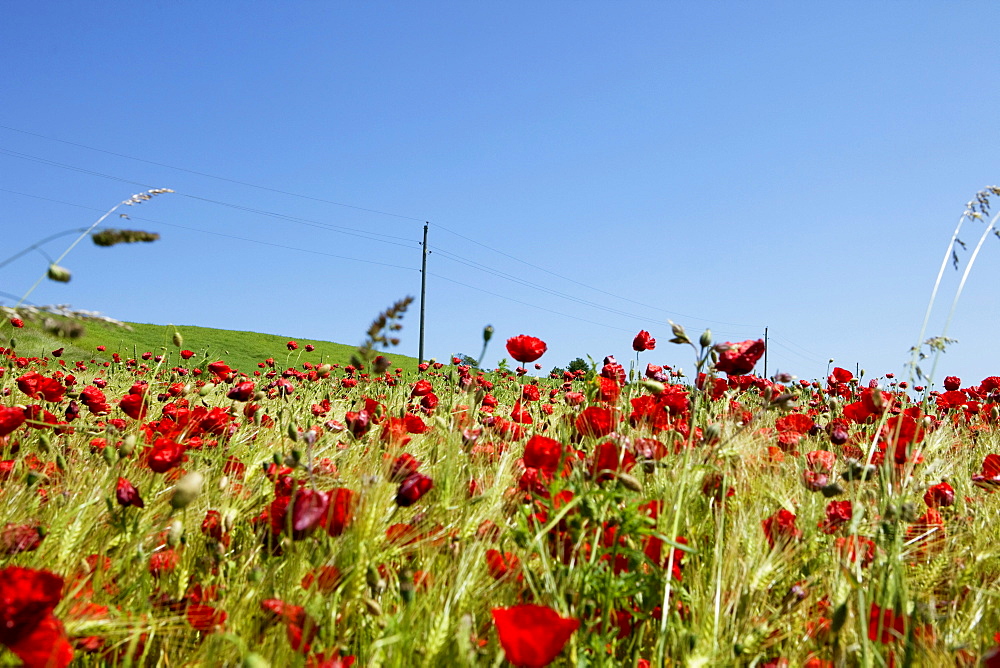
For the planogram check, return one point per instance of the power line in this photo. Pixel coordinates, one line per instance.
(796, 353)
(349, 231)
(212, 176)
(519, 281)
(523, 303)
(406, 217)
(794, 344)
(218, 234)
(591, 287)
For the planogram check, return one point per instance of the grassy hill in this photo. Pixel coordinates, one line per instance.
(241, 350)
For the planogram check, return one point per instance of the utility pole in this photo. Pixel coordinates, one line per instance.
(765, 352)
(423, 294)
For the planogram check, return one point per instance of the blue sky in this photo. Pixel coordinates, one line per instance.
(588, 169)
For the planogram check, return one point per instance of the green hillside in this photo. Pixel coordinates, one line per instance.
(241, 350)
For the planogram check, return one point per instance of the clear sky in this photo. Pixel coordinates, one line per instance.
(588, 169)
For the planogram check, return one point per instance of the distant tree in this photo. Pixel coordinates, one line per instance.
(579, 364)
(557, 371)
(468, 360)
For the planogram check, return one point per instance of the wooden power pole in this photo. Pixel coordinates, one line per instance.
(423, 294)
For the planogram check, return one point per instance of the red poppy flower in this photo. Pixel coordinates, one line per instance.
(308, 510)
(205, 618)
(856, 547)
(17, 322)
(939, 495)
(358, 422)
(127, 494)
(643, 341)
(27, 626)
(292, 345)
(17, 538)
(37, 386)
(134, 406)
(544, 453)
(403, 467)
(11, 418)
(413, 488)
(526, 348)
(780, 528)
(596, 421)
(242, 391)
(821, 461)
(165, 454)
(838, 513)
(340, 511)
(884, 625)
(220, 370)
(737, 359)
(796, 422)
(532, 635)
(501, 564)
(952, 383)
(609, 459)
(326, 579)
(989, 478)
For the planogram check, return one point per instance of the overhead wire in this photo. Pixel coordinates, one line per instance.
(211, 176)
(524, 303)
(219, 234)
(519, 281)
(796, 345)
(448, 254)
(374, 236)
(385, 213)
(364, 234)
(585, 285)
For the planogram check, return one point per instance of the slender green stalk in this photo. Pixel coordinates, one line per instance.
(958, 292)
(135, 199)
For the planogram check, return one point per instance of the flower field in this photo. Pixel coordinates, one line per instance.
(169, 510)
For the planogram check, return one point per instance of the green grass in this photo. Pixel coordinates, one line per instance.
(241, 350)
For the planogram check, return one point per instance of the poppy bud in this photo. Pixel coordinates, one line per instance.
(680, 336)
(293, 432)
(706, 339)
(175, 534)
(380, 364)
(255, 660)
(126, 494)
(831, 490)
(652, 386)
(110, 456)
(839, 617)
(413, 488)
(712, 433)
(60, 274)
(375, 580)
(407, 588)
(187, 490)
(178, 339)
(43, 443)
(487, 333)
(629, 482)
(127, 446)
(374, 609)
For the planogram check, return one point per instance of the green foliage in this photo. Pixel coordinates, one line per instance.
(241, 350)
